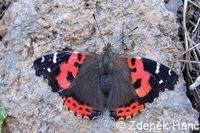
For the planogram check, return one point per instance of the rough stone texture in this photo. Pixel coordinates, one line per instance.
(32, 28)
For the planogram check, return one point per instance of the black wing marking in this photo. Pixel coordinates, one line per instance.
(149, 78)
(46, 67)
(161, 78)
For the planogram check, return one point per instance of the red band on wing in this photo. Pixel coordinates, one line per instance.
(77, 108)
(139, 73)
(69, 67)
(130, 110)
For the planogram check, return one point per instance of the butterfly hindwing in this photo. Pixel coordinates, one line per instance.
(149, 78)
(85, 89)
(122, 101)
(75, 77)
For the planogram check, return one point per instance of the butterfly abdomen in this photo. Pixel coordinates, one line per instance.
(105, 83)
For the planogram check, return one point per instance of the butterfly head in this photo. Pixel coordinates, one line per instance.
(107, 47)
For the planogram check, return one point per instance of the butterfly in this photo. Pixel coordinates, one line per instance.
(91, 83)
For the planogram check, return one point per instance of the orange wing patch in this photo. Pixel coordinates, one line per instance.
(77, 108)
(140, 78)
(129, 111)
(70, 68)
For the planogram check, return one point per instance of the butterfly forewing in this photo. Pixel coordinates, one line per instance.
(59, 69)
(155, 76)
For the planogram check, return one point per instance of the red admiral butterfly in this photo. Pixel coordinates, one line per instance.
(90, 83)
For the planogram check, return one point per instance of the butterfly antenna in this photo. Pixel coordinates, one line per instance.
(123, 35)
(99, 29)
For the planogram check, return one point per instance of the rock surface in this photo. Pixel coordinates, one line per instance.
(32, 28)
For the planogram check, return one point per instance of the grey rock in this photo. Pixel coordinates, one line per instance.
(11, 60)
(39, 27)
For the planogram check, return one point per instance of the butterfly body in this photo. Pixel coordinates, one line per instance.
(106, 66)
(91, 83)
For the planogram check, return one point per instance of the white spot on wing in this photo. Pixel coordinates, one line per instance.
(42, 59)
(161, 81)
(54, 57)
(48, 69)
(59, 91)
(158, 68)
(95, 117)
(169, 72)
